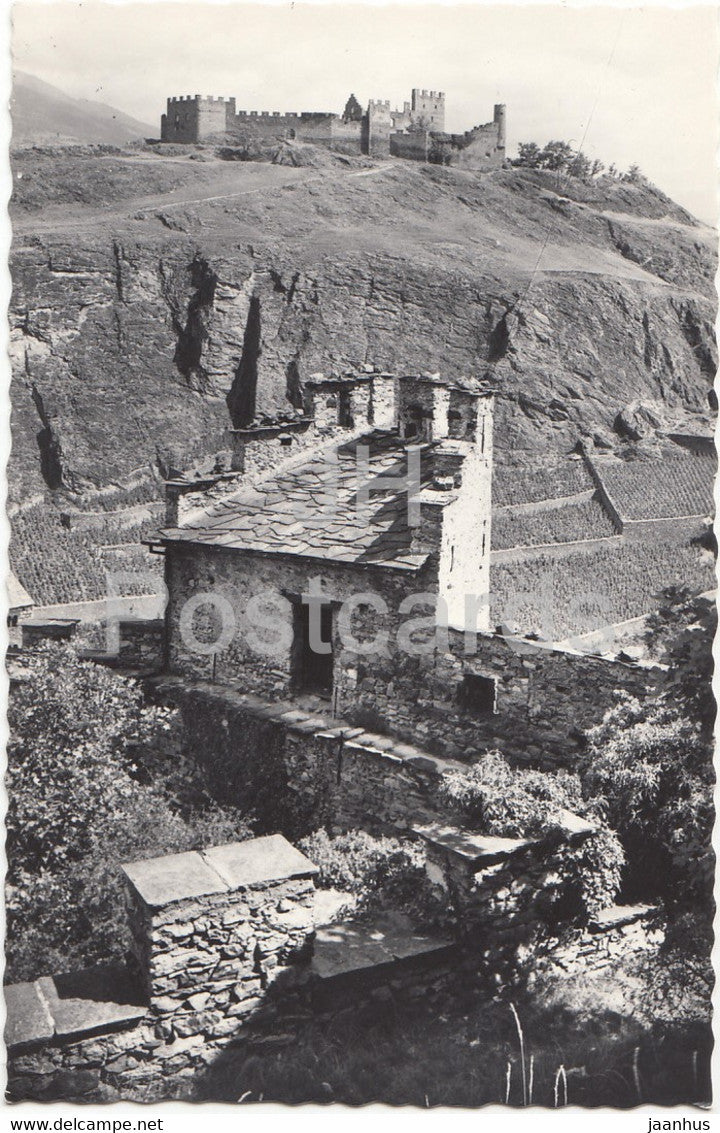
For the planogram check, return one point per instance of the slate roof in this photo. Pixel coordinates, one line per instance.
(312, 510)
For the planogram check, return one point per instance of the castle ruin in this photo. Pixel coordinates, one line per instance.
(416, 132)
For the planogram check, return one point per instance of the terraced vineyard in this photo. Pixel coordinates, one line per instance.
(57, 564)
(513, 485)
(567, 524)
(583, 590)
(676, 485)
(112, 532)
(54, 564)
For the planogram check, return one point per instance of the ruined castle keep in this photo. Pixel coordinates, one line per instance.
(416, 132)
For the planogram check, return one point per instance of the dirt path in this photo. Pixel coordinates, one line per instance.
(703, 231)
(58, 221)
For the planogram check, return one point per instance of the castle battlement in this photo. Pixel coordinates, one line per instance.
(417, 132)
(201, 98)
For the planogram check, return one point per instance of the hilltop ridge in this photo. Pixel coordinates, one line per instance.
(150, 288)
(42, 113)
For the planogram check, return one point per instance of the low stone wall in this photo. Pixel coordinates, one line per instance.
(502, 892)
(613, 935)
(226, 947)
(544, 697)
(303, 771)
(227, 950)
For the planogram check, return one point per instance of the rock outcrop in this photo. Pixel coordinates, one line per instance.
(142, 324)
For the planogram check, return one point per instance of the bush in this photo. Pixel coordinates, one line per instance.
(653, 771)
(494, 798)
(88, 788)
(378, 871)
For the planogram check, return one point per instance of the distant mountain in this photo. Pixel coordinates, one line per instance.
(41, 113)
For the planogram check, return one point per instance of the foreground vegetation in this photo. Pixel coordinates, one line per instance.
(586, 1041)
(91, 784)
(95, 778)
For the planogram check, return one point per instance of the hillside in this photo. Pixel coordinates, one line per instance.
(150, 288)
(43, 114)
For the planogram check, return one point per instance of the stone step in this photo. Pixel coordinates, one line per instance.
(354, 947)
(80, 1004)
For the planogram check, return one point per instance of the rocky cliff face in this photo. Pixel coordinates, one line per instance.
(144, 322)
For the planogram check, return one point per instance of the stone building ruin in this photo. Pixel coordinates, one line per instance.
(416, 132)
(379, 486)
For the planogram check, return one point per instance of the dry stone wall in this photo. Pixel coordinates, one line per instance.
(227, 951)
(303, 771)
(544, 697)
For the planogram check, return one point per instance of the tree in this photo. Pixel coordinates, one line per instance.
(93, 780)
(580, 167)
(528, 155)
(556, 156)
(652, 766)
(635, 175)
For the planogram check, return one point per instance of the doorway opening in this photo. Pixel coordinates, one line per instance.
(312, 656)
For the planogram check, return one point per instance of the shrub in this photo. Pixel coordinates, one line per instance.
(87, 790)
(377, 871)
(494, 798)
(652, 769)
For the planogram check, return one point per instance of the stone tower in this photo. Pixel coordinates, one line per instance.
(427, 107)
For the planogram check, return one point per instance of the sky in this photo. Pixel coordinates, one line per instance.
(628, 85)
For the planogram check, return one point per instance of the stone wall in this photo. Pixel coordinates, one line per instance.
(210, 929)
(544, 697)
(502, 892)
(260, 658)
(230, 944)
(303, 771)
(415, 146)
(611, 936)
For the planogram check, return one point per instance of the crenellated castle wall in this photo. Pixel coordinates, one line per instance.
(416, 132)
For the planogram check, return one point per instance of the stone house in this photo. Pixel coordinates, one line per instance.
(389, 518)
(343, 562)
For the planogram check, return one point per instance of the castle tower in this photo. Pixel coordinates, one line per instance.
(500, 120)
(190, 119)
(428, 107)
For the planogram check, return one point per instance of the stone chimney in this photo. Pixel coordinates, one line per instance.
(384, 401)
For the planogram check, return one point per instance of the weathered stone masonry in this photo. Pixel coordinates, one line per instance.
(226, 945)
(416, 132)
